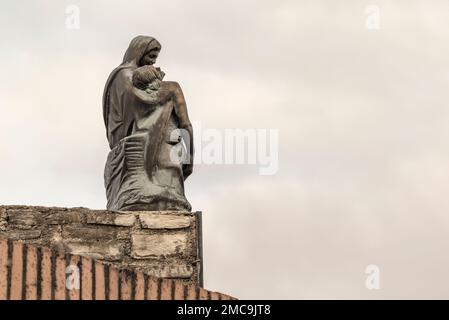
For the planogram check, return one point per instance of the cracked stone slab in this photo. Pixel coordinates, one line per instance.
(114, 219)
(168, 221)
(158, 245)
(103, 251)
(23, 234)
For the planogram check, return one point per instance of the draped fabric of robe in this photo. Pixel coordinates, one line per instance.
(140, 173)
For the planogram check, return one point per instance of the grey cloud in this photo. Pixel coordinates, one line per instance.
(361, 116)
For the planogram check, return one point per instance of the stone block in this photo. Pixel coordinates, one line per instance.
(23, 234)
(88, 233)
(23, 218)
(164, 221)
(158, 245)
(100, 250)
(113, 219)
(64, 217)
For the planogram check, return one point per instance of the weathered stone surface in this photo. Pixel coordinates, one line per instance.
(22, 234)
(126, 220)
(178, 270)
(164, 243)
(88, 233)
(103, 251)
(113, 219)
(158, 245)
(64, 217)
(23, 219)
(123, 234)
(164, 221)
(3, 214)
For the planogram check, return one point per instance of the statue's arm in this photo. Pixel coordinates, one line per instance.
(142, 96)
(172, 90)
(126, 85)
(184, 121)
(180, 105)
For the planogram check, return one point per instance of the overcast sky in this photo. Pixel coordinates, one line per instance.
(362, 116)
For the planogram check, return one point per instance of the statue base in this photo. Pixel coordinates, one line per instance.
(163, 244)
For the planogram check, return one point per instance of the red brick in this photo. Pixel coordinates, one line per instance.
(3, 268)
(99, 281)
(152, 289)
(60, 286)
(86, 279)
(31, 275)
(203, 294)
(126, 285)
(127, 281)
(214, 296)
(46, 281)
(16, 271)
(225, 297)
(113, 284)
(179, 290)
(166, 289)
(140, 286)
(191, 292)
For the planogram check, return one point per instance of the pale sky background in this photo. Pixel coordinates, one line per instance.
(362, 118)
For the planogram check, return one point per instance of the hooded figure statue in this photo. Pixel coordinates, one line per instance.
(150, 136)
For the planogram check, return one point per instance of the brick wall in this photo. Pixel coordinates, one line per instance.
(30, 272)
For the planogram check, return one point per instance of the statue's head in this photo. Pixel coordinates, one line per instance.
(142, 50)
(150, 57)
(147, 77)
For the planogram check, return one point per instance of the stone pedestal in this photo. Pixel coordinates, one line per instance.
(159, 243)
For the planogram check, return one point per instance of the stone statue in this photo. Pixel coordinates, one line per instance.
(149, 133)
